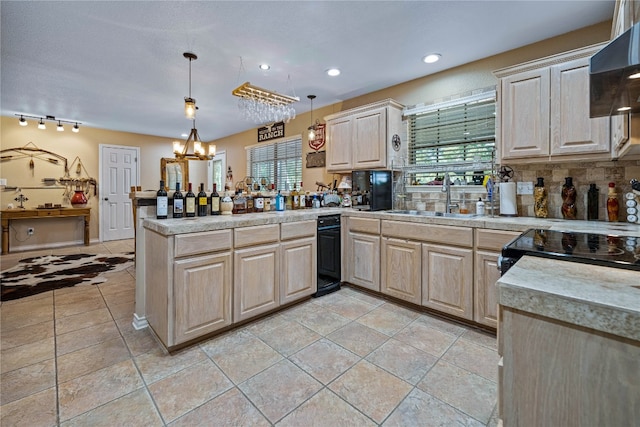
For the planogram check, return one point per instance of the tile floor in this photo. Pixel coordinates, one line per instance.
(71, 358)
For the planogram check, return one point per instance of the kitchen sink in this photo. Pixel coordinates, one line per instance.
(435, 213)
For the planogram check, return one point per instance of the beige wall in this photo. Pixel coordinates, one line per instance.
(86, 143)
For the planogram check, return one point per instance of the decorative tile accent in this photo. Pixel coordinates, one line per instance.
(324, 360)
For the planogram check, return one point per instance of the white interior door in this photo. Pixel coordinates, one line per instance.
(119, 172)
(217, 171)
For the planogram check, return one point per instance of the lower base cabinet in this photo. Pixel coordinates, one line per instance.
(256, 281)
(299, 266)
(363, 260)
(447, 279)
(400, 269)
(486, 294)
(202, 295)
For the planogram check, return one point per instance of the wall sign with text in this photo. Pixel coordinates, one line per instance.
(267, 133)
(318, 142)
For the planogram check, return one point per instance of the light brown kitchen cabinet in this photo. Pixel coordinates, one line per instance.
(299, 260)
(202, 292)
(543, 111)
(401, 273)
(485, 298)
(361, 262)
(447, 279)
(361, 138)
(256, 281)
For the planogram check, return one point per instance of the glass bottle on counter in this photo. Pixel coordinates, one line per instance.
(612, 203)
(295, 197)
(569, 209)
(239, 203)
(203, 202)
(540, 199)
(250, 202)
(178, 202)
(258, 203)
(226, 204)
(301, 197)
(592, 202)
(162, 202)
(280, 202)
(190, 203)
(215, 201)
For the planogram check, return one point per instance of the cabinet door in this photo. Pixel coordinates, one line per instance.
(369, 139)
(256, 281)
(363, 260)
(524, 112)
(447, 279)
(485, 292)
(202, 292)
(572, 131)
(298, 278)
(401, 274)
(339, 135)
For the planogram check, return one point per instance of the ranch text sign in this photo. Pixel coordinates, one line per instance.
(268, 133)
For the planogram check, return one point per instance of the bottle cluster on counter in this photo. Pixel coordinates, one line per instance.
(191, 205)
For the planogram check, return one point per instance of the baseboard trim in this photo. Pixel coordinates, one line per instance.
(139, 322)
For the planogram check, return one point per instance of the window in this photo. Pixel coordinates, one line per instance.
(452, 134)
(280, 162)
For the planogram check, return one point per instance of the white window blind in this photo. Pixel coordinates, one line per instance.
(279, 161)
(460, 131)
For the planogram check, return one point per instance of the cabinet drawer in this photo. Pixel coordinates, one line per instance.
(364, 225)
(449, 235)
(494, 239)
(252, 236)
(198, 243)
(295, 230)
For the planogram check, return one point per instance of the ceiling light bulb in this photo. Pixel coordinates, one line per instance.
(635, 76)
(22, 121)
(177, 147)
(41, 125)
(431, 58)
(75, 128)
(624, 109)
(189, 108)
(312, 133)
(264, 67)
(212, 150)
(333, 72)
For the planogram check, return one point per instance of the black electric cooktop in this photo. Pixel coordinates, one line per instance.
(589, 248)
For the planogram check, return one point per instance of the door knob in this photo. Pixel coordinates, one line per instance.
(106, 199)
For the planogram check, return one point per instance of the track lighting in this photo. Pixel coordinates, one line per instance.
(41, 122)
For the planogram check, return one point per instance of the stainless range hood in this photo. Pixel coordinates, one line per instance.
(609, 71)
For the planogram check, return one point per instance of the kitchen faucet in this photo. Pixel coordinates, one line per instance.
(446, 188)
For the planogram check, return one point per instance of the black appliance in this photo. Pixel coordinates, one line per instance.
(587, 248)
(329, 255)
(609, 75)
(375, 186)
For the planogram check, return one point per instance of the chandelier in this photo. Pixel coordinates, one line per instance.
(263, 106)
(181, 150)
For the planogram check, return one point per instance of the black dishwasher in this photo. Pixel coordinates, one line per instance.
(329, 254)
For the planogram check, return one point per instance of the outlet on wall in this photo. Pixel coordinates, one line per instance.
(30, 231)
(524, 188)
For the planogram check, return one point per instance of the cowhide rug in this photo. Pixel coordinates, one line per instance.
(45, 273)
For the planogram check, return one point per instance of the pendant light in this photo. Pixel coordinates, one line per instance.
(22, 121)
(190, 103)
(312, 129)
(41, 125)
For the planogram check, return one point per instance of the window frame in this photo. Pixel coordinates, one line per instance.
(285, 152)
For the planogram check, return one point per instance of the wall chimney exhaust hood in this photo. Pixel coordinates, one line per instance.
(614, 74)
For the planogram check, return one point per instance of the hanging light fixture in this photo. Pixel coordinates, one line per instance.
(312, 129)
(41, 125)
(189, 102)
(181, 150)
(75, 128)
(60, 128)
(22, 121)
(41, 122)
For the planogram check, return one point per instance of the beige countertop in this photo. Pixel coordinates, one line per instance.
(209, 223)
(601, 298)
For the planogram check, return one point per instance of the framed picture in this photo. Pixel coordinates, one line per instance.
(169, 170)
(316, 159)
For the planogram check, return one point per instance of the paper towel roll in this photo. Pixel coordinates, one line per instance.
(508, 199)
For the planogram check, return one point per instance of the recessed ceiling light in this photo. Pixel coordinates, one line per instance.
(635, 76)
(264, 67)
(624, 108)
(184, 135)
(431, 58)
(333, 72)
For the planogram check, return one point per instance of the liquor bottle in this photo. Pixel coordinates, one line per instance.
(612, 203)
(540, 205)
(280, 202)
(250, 202)
(295, 197)
(202, 201)
(301, 197)
(592, 202)
(569, 210)
(215, 200)
(162, 202)
(258, 203)
(190, 203)
(178, 202)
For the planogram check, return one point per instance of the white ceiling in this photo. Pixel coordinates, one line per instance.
(119, 65)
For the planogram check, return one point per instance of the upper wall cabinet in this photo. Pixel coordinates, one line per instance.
(367, 137)
(543, 111)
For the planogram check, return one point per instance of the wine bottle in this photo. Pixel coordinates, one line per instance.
(162, 202)
(190, 203)
(178, 202)
(301, 197)
(215, 200)
(202, 201)
(295, 202)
